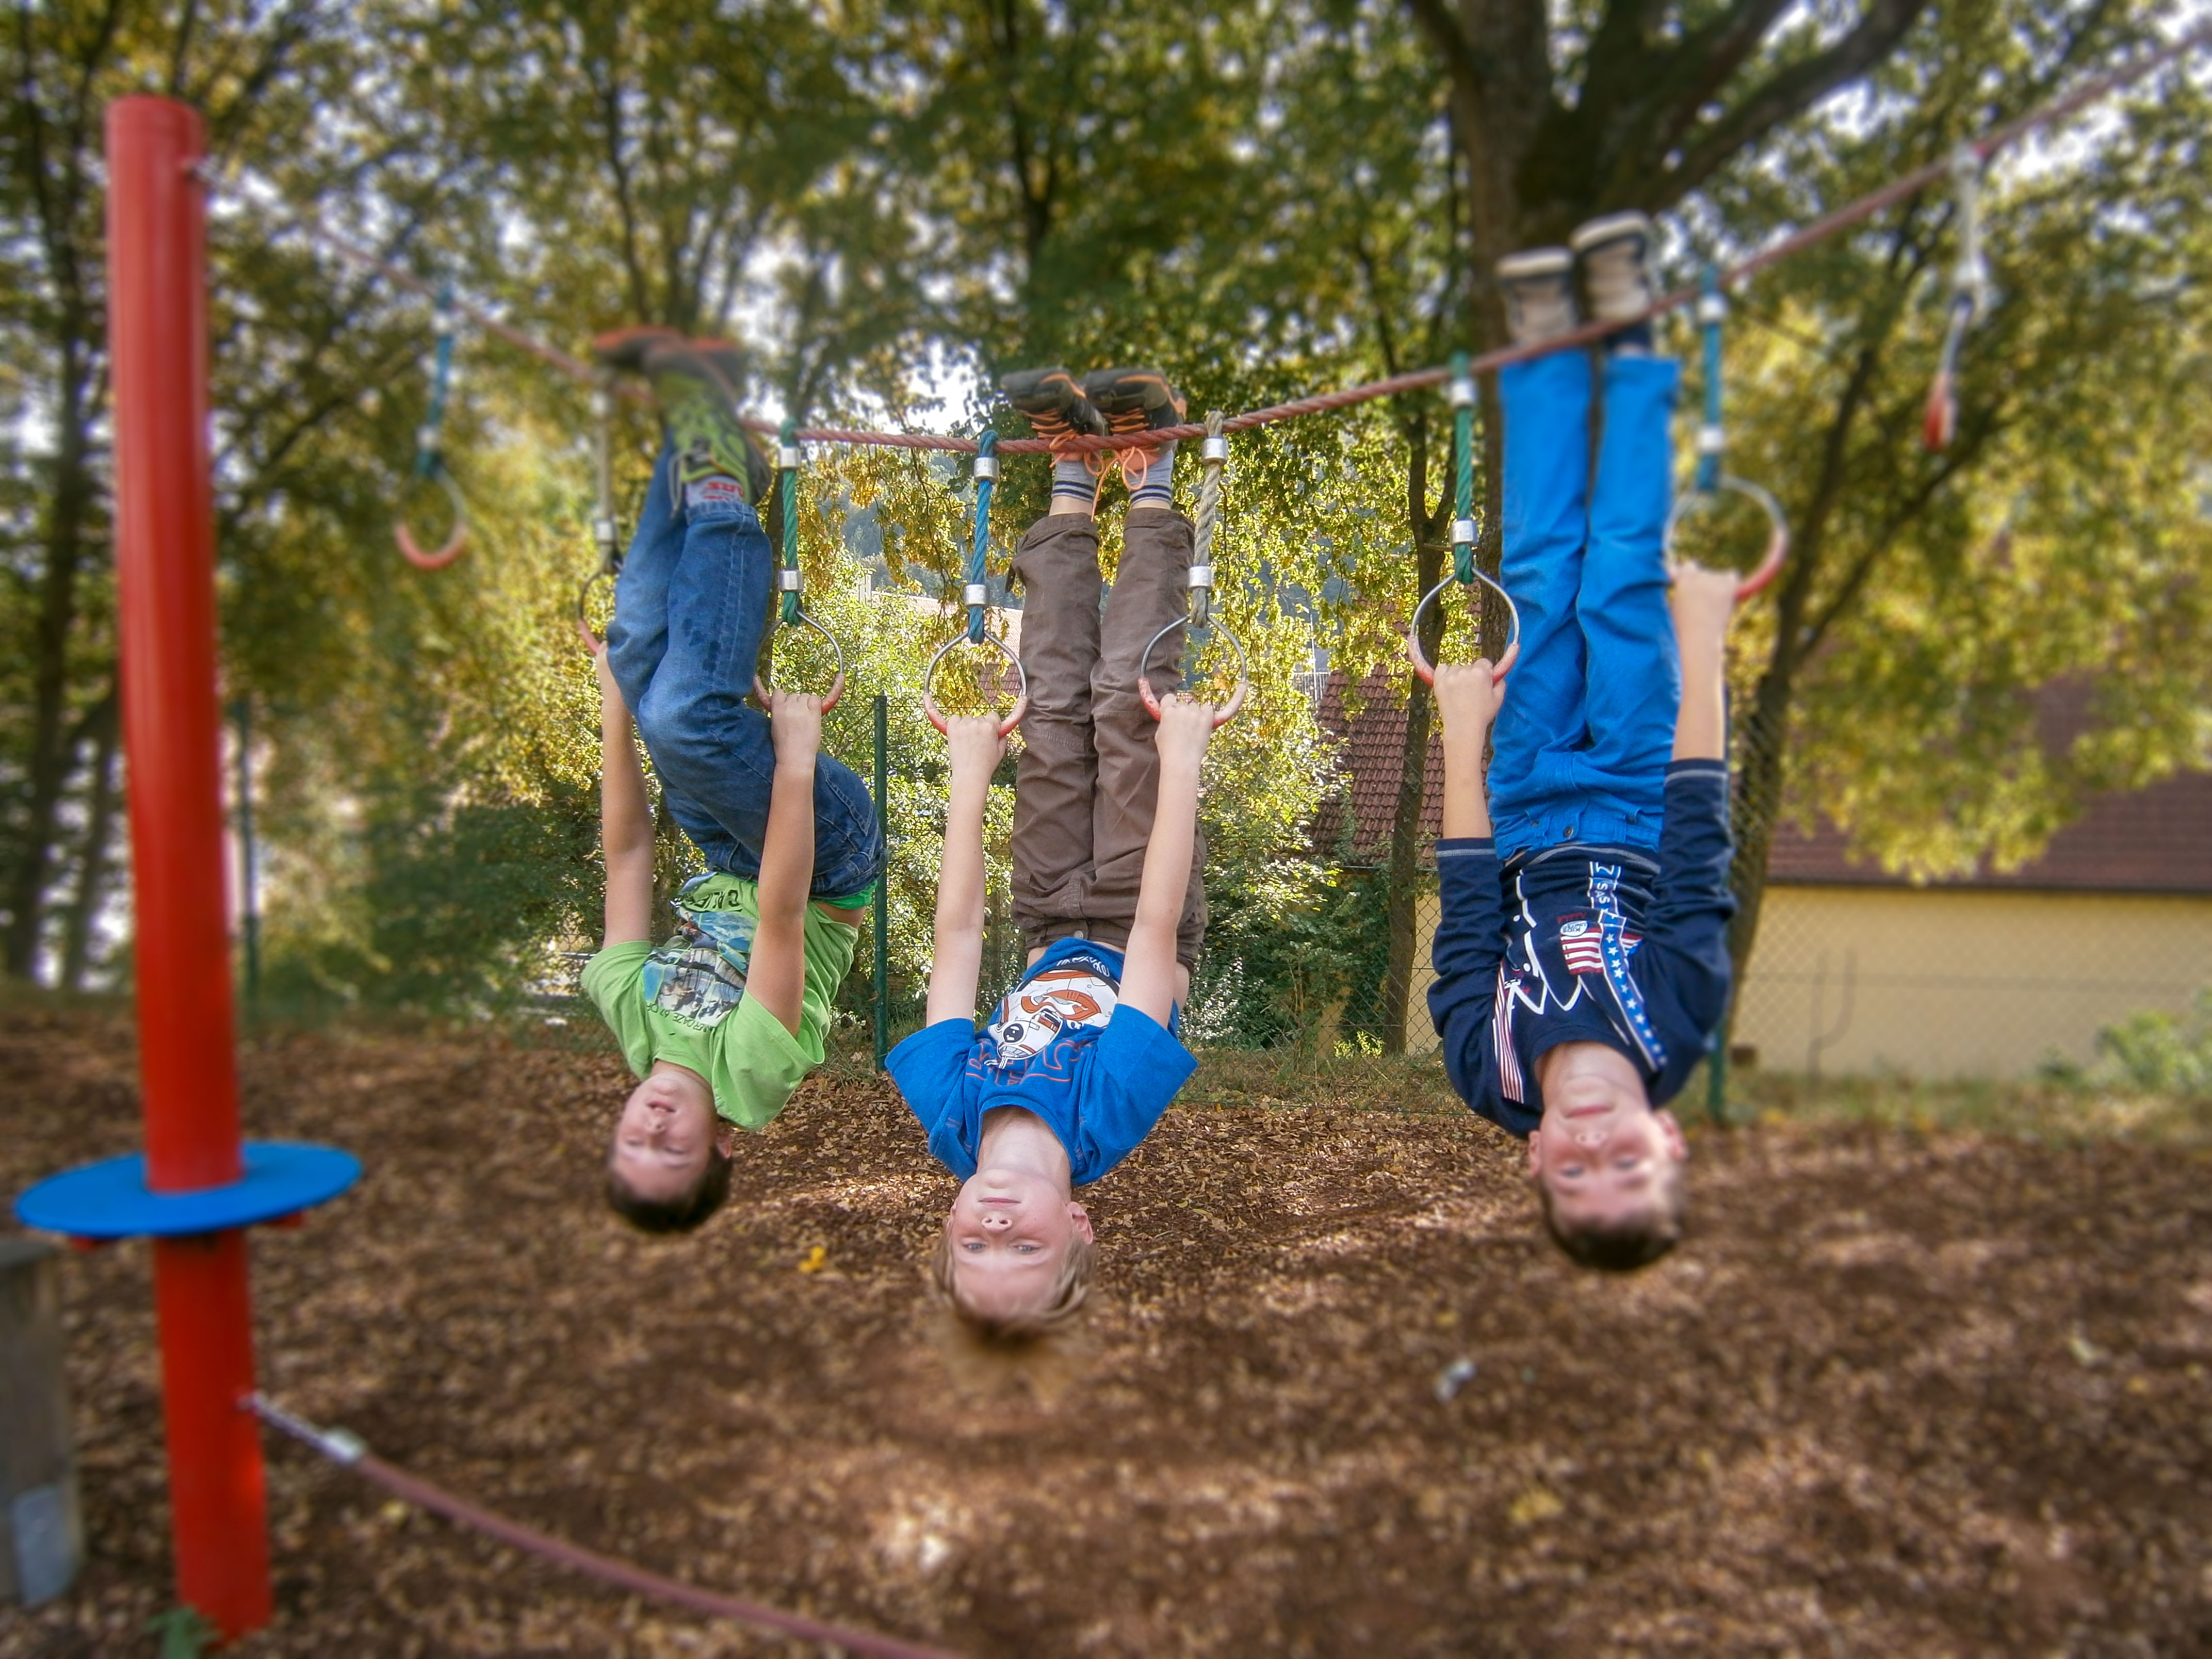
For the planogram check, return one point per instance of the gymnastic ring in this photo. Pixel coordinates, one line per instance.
(593, 642)
(760, 692)
(411, 550)
(929, 679)
(1227, 711)
(1777, 540)
(1426, 670)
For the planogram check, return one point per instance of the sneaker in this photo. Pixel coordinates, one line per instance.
(1054, 404)
(1134, 399)
(699, 383)
(1616, 255)
(623, 349)
(1539, 287)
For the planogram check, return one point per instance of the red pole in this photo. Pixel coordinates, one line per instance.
(165, 581)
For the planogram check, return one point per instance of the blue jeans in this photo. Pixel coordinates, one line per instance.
(1584, 740)
(690, 608)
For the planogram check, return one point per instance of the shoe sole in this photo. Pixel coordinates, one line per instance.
(625, 348)
(1611, 228)
(1535, 262)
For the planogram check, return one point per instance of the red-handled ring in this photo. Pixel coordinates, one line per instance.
(1777, 540)
(836, 686)
(929, 679)
(1227, 711)
(411, 550)
(1426, 669)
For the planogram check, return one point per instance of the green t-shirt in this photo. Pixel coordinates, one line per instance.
(684, 998)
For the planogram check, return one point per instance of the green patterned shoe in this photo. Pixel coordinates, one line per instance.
(699, 383)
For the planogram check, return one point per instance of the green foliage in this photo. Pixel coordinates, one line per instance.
(2159, 1052)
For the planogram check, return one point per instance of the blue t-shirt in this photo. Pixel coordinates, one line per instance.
(1059, 1045)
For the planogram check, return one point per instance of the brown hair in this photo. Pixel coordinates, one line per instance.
(683, 1211)
(1622, 1246)
(1060, 1309)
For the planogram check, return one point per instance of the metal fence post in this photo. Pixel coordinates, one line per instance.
(883, 1020)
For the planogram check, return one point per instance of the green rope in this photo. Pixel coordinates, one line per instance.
(1462, 398)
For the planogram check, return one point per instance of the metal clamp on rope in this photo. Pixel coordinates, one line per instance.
(1013, 717)
(1420, 658)
(786, 579)
(1227, 711)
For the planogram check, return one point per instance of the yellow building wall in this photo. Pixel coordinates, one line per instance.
(1942, 983)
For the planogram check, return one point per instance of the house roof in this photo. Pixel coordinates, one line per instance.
(2155, 840)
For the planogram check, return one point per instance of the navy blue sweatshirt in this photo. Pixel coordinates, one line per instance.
(1584, 944)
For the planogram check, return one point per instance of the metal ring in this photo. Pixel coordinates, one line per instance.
(1778, 541)
(1425, 669)
(1227, 711)
(411, 550)
(761, 691)
(593, 642)
(929, 679)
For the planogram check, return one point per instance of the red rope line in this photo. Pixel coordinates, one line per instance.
(2000, 137)
(621, 1574)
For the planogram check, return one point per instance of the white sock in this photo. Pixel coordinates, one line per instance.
(1157, 488)
(1072, 481)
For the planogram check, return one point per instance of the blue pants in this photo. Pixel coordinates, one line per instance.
(1584, 740)
(690, 608)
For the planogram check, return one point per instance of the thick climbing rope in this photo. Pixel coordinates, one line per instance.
(788, 460)
(978, 592)
(430, 449)
(1988, 143)
(349, 1452)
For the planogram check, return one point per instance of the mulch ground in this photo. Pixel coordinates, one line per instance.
(1897, 1395)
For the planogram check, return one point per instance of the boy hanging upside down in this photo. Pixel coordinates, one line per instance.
(1582, 960)
(1077, 1062)
(724, 1018)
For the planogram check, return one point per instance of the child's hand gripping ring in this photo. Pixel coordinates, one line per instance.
(1778, 539)
(411, 550)
(761, 690)
(1013, 717)
(1227, 711)
(1426, 669)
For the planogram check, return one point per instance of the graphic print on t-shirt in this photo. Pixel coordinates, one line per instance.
(698, 975)
(1075, 993)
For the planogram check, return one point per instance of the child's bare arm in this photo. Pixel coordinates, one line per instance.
(625, 819)
(1149, 979)
(1702, 601)
(1468, 696)
(957, 957)
(776, 974)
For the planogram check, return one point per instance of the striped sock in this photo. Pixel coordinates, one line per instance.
(1073, 482)
(1157, 488)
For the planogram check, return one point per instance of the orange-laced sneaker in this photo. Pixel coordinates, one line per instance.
(1133, 400)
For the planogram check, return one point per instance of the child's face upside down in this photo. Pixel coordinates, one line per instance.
(1008, 1235)
(665, 1133)
(1602, 1153)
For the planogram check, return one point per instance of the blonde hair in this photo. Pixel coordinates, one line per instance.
(1057, 1313)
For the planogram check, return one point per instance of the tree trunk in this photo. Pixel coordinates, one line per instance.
(1404, 877)
(51, 758)
(92, 853)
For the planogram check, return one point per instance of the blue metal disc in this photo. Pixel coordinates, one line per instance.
(111, 1200)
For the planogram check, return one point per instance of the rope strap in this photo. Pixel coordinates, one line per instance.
(787, 460)
(429, 465)
(1462, 394)
(978, 592)
(1712, 436)
(348, 1451)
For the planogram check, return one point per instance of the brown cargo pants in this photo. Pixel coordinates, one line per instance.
(1089, 774)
